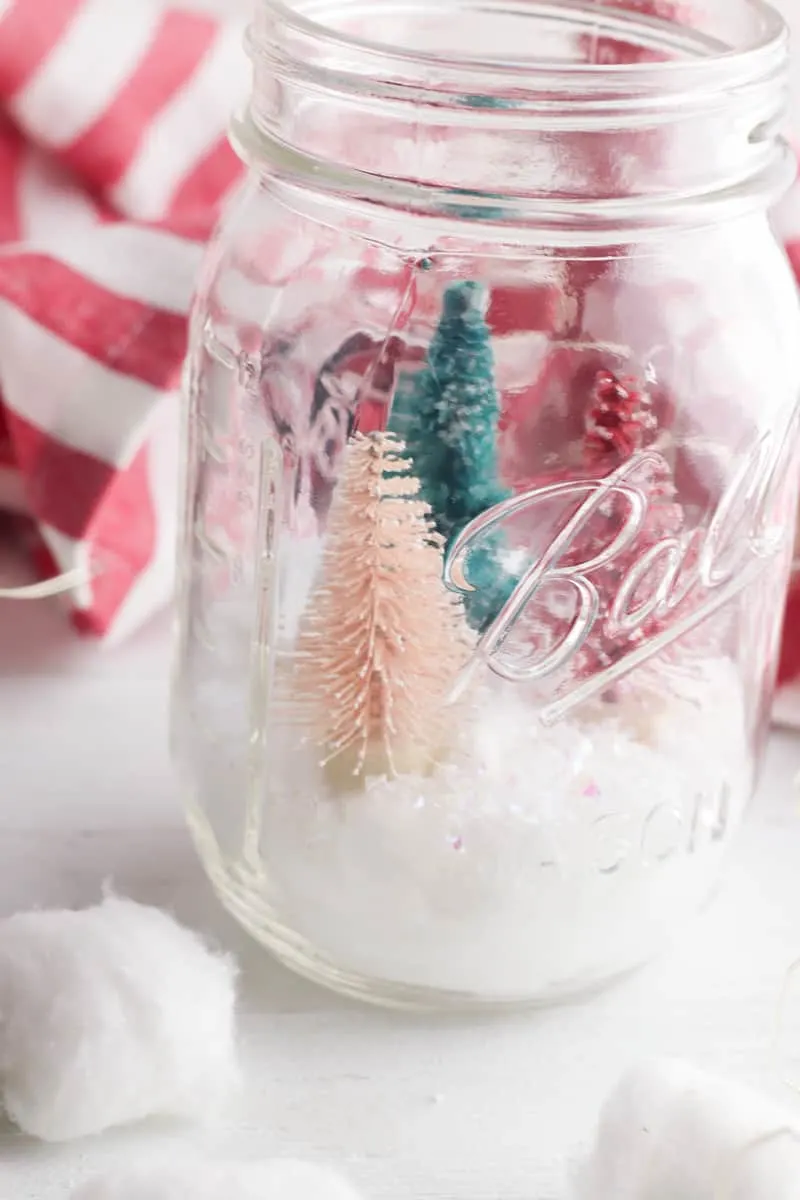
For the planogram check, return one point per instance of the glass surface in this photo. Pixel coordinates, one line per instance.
(490, 497)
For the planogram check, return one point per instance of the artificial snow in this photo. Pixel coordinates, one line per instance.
(532, 861)
(671, 1132)
(279, 1180)
(110, 1015)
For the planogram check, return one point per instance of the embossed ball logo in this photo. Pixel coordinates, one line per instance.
(682, 580)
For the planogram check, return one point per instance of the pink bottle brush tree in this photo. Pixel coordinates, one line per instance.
(383, 639)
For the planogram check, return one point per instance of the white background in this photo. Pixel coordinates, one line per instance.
(411, 1108)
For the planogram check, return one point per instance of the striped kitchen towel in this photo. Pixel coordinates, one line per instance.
(114, 161)
(113, 165)
(788, 706)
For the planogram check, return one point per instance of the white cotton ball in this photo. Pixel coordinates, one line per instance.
(279, 1180)
(669, 1130)
(108, 1016)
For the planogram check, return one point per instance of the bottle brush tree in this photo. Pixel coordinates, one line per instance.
(622, 431)
(619, 424)
(383, 639)
(447, 414)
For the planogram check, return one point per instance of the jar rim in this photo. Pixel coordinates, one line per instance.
(715, 97)
(703, 52)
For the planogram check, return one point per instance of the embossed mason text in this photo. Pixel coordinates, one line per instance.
(688, 576)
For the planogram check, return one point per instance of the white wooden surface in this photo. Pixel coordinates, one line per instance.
(409, 1107)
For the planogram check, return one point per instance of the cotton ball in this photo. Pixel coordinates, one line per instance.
(671, 1131)
(279, 1180)
(108, 1016)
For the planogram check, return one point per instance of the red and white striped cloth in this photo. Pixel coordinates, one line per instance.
(787, 223)
(113, 165)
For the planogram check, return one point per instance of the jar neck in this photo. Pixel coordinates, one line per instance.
(619, 118)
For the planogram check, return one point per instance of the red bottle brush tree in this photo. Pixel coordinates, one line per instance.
(619, 424)
(789, 667)
(619, 427)
(618, 421)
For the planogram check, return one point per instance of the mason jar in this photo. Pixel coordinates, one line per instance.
(490, 481)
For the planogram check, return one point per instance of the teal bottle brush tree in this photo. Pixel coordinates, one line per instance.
(447, 415)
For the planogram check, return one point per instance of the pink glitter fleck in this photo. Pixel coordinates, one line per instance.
(592, 791)
(458, 843)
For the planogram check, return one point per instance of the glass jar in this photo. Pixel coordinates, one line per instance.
(490, 487)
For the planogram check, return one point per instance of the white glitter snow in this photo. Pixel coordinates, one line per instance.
(536, 862)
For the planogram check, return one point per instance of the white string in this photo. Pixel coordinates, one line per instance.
(49, 587)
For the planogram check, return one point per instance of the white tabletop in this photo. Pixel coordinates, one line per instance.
(411, 1107)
